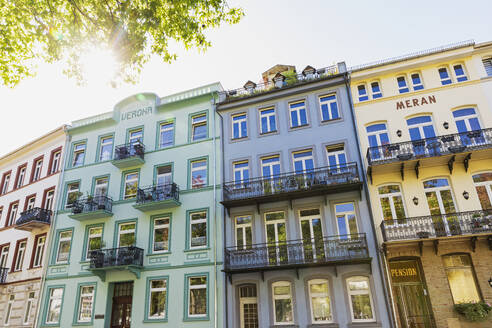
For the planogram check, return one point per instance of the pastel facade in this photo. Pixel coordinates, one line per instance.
(29, 181)
(299, 242)
(424, 123)
(136, 238)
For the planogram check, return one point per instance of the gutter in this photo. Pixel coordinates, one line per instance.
(52, 229)
(382, 270)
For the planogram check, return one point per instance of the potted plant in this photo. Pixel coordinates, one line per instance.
(423, 234)
(474, 311)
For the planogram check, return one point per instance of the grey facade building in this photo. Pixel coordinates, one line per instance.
(300, 250)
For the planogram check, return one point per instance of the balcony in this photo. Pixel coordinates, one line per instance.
(433, 227)
(92, 207)
(3, 275)
(129, 154)
(296, 254)
(157, 197)
(288, 186)
(35, 218)
(439, 150)
(123, 258)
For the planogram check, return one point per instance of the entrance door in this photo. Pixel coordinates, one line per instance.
(248, 307)
(121, 316)
(276, 236)
(410, 294)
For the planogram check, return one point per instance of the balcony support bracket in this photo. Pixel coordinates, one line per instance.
(290, 203)
(101, 274)
(229, 276)
(402, 172)
(450, 164)
(297, 273)
(436, 246)
(257, 207)
(489, 240)
(228, 211)
(421, 247)
(135, 271)
(262, 273)
(417, 165)
(369, 173)
(473, 243)
(336, 270)
(466, 161)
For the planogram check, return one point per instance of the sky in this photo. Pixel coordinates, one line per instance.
(303, 32)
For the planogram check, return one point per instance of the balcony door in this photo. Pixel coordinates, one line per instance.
(423, 136)
(121, 314)
(468, 126)
(4, 254)
(276, 236)
(303, 164)
(270, 168)
(442, 207)
(248, 306)
(377, 135)
(312, 235)
(163, 180)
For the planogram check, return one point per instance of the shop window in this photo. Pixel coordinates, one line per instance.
(461, 278)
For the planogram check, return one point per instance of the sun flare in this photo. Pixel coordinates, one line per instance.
(98, 65)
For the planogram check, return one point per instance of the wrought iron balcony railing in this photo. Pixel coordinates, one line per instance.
(434, 226)
(298, 253)
(430, 147)
(3, 275)
(318, 179)
(132, 149)
(157, 193)
(35, 214)
(116, 257)
(92, 204)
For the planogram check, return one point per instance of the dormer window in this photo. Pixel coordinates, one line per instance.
(376, 90)
(402, 84)
(361, 89)
(459, 73)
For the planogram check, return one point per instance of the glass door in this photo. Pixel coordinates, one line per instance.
(270, 168)
(276, 235)
(312, 235)
(423, 136)
(164, 182)
(468, 126)
(248, 307)
(441, 206)
(377, 135)
(121, 314)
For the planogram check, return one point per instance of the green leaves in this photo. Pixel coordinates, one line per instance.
(53, 30)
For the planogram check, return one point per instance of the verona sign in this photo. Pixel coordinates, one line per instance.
(415, 102)
(136, 113)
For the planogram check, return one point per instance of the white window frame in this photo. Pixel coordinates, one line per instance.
(91, 235)
(196, 121)
(267, 116)
(105, 141)
(297, 110)
(328, 103)
(197, 221)
(20, 177)
(303, 159)
(237, 120)
(50, 196)
(345, 214)
(242, 227)
(13, 213)
(79, 148)
(161, 226)
(101, 183)
(39, 251)
(164, 127)
(450, 77)
(282, 297)
(19, 256)
(456, 77)
(417, 85)
(27, 312)
(4, 256)
(406, 84)
(55, 163)
(350, 293)
(241, 171)
(359, 96)
(199, 168)
(190, 287)
(487, 65)
(336, 150)
(391, 197)
(311, 295)
(126, 232)
(50, 302)
(8, 310)
(70, 190)
(376, 93)
(89, 296)
(270, 165)
(6, 182)
(135, 135)
(38, 166)
(157, 290)
(128, 180)
(31, 201)
(60, 240)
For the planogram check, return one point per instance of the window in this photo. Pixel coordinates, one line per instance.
(312, 234)
(72, 193)
(4, 256)
(161, 235)
(166, 134)
(282, 303)
(126, 234)
(466, 120)
(94, 240)
(86, 303)
(131, 185)
(459, 73)
(487, 64)
(239, 126)
(244, 235)
(361, 89)
(440, 202)
(101, 187)
(36, 169)
(8, 311)
(12, 213)
(198, 229)
(55, 161)
(54, 305)
(157, 298)
(423, 135)
(27, 313)
(268, 120)
(198, 174)
(391, 201)
(402, 84)
(346, 219)
(78, 154)
(38, 251)
(360, 299)
(270, 166)
(461, 278)
(377, 135)
(135, 136)
(276, 237)
(49, 197)
(336, 156)
(199, 127)
(303, 161)
(241, 174)
(444, 75)
(21, 173)
(320, 301)
(329, 107)
(5, 182)
(164, 175)
(416, 82)
(19, 255)
(376, 90)
(30, 202)
(483, 185)
(197, 297)
(248, 306)
(298, 114)
(106, 148)
(64, 242)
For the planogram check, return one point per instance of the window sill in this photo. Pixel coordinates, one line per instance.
(83, 323)
(331, 121)
(54, 265)
(157, 254)
(196, 250)
(206, 318)
(239, 139)
(154, 320)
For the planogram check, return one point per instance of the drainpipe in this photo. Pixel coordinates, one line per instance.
(214, 215)
(382, 269)
(52, 230)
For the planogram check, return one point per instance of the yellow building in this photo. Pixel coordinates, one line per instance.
(424, 122)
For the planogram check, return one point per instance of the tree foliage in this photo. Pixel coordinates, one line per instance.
(61, 30)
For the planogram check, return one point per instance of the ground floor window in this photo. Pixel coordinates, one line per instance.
(8, 310)
(197, 296)
(157, 298)
(30, 300)
(320, 300)
(248, 306)
(283, 312)
(55, 296)
(360, 299)
(86, 303)
(461, 278)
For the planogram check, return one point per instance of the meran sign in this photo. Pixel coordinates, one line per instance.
(136, 113)
(415, 102)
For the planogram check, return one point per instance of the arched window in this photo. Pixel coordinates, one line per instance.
(421, 130)
(377, 135)
(362, 92)
(283, 312)
(483, 185)
(319, 296)
(416, 81)
(441, 205)
(376, 90)
(391, 201)
(468, 126)
(402, 84)
(360, 299)
(461, 278)
(459, 72)
(444, 76)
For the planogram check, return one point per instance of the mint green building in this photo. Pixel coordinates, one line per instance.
(136, 240)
